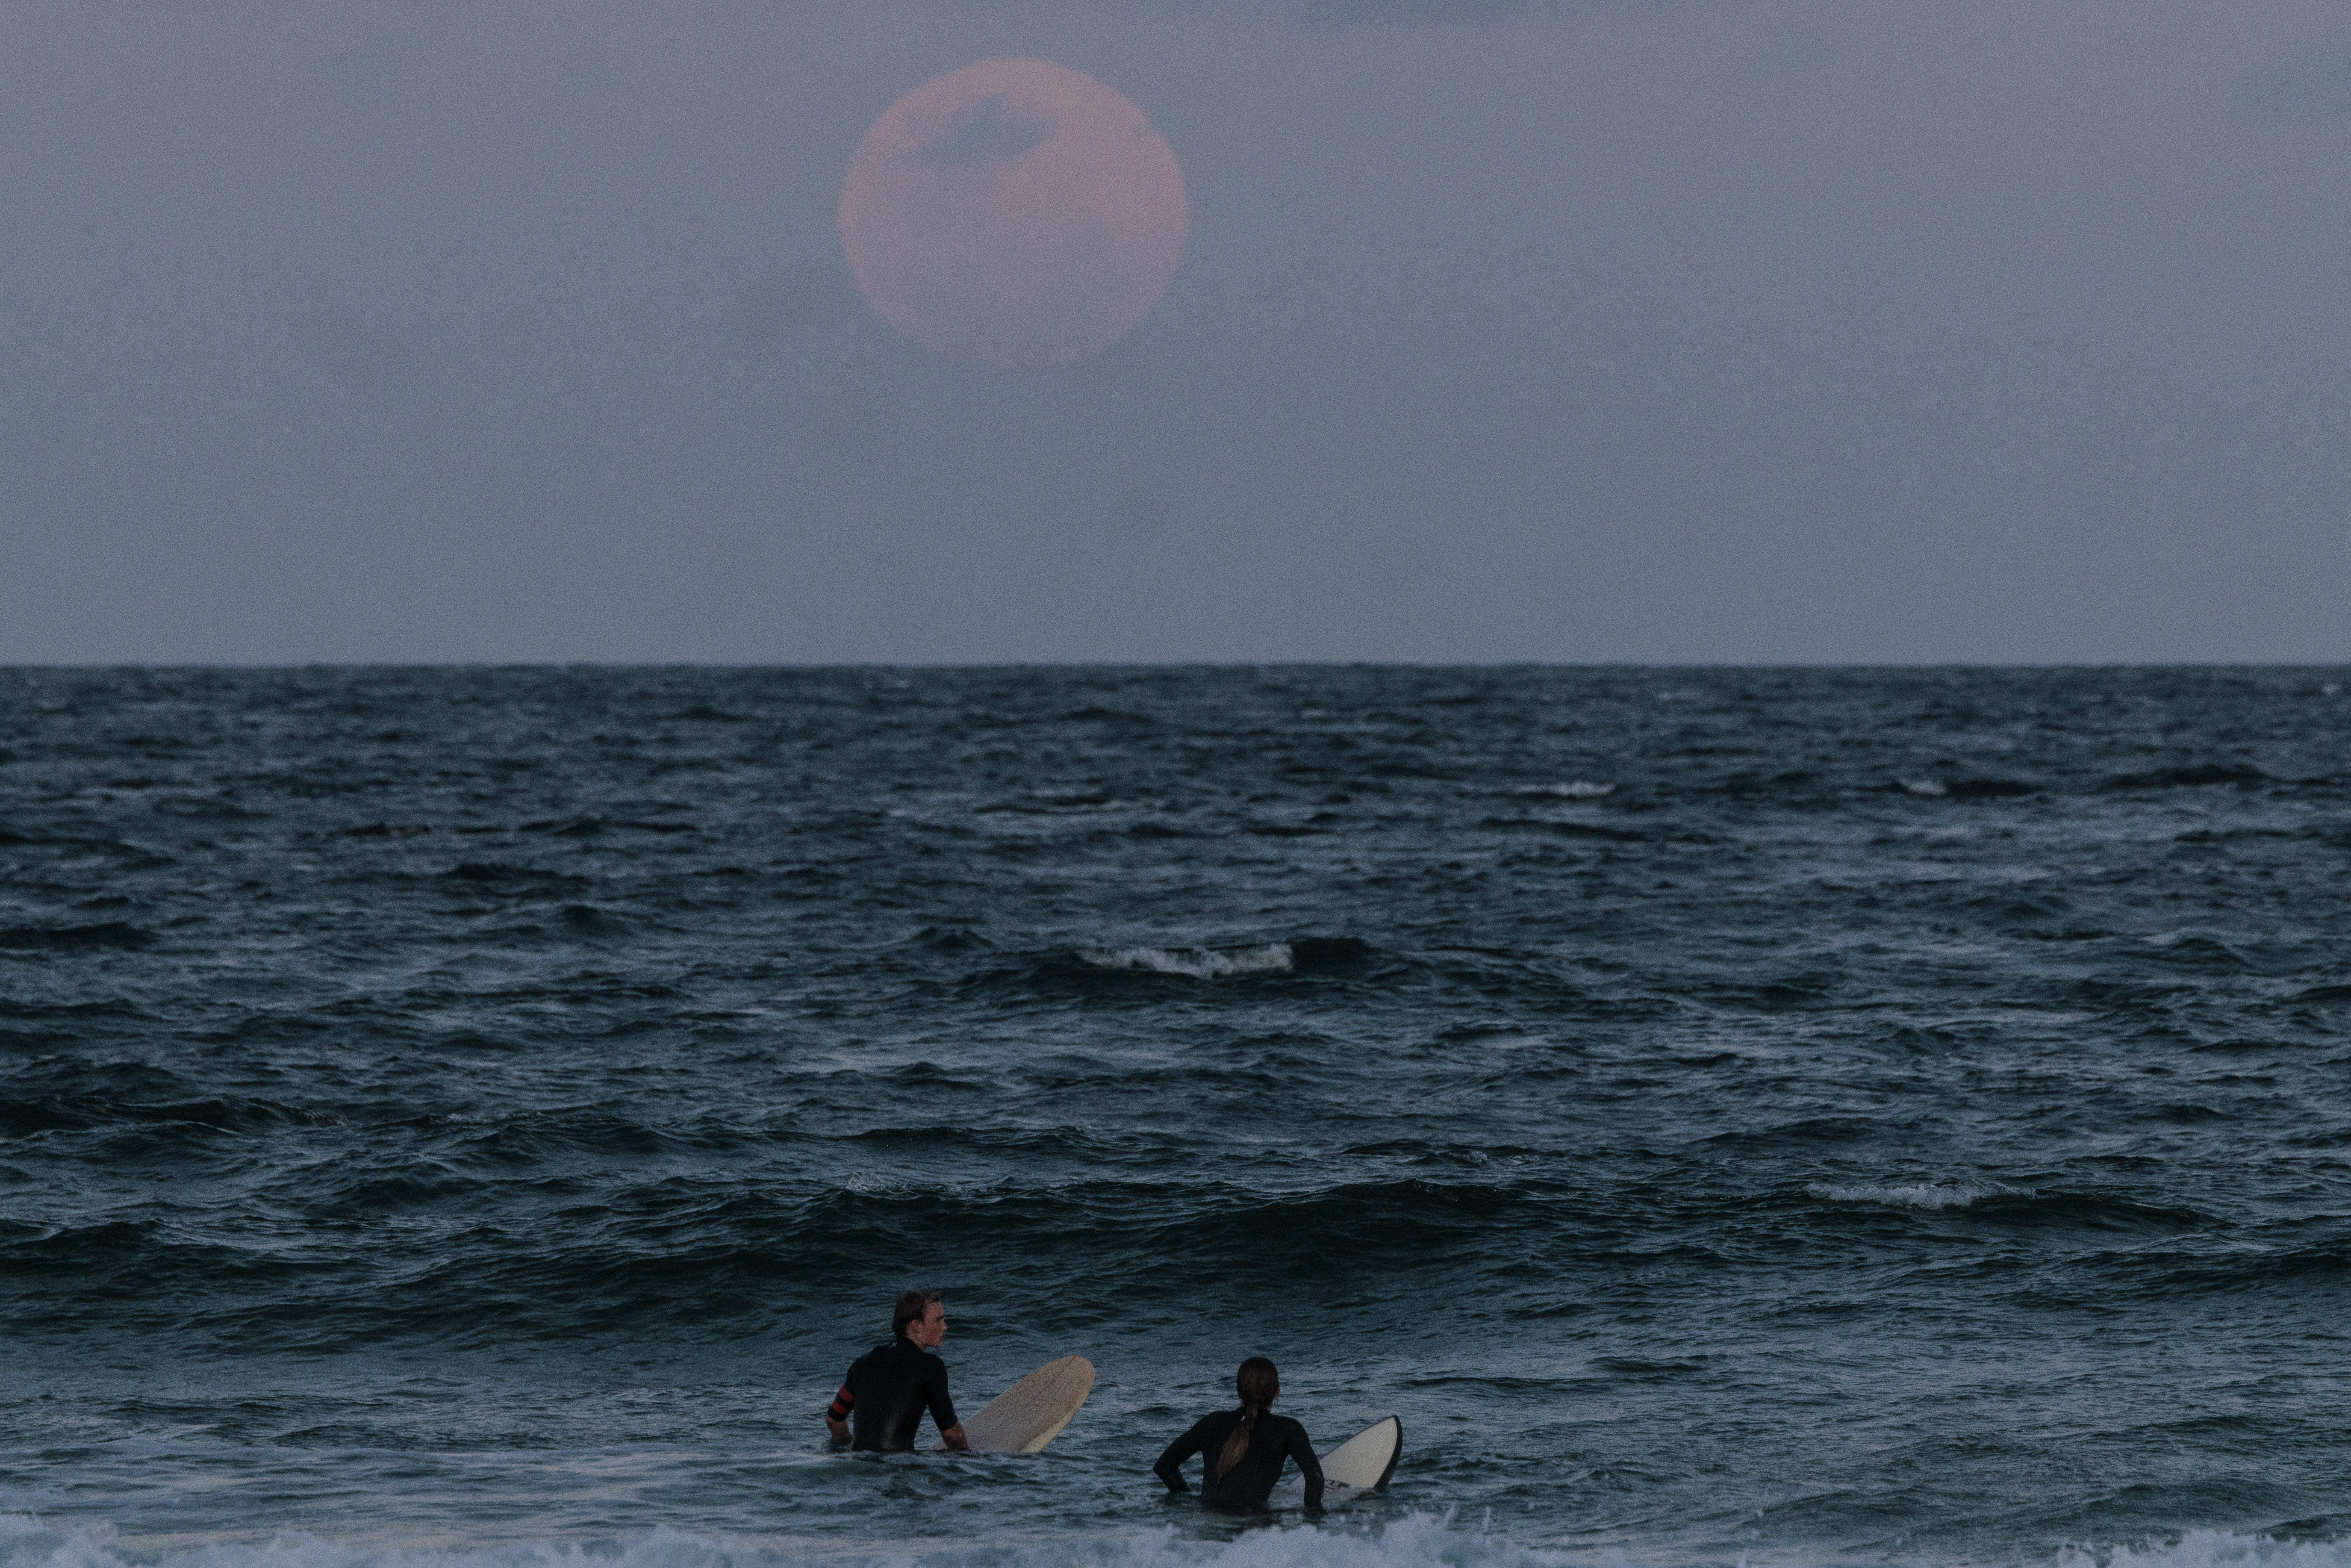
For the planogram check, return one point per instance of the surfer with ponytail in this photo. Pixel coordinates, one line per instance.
(1244, 1449)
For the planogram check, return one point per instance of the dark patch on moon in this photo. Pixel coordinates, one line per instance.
(989, 131)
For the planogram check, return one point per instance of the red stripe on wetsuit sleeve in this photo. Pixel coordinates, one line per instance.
(842, 1403)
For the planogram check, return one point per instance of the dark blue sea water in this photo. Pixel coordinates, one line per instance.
(472, 1118)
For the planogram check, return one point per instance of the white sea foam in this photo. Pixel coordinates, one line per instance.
(1926, 786)
(1200, 963)
(1573, 790)
(1415, 1542)
(1916, 1195)
(2213, 1549)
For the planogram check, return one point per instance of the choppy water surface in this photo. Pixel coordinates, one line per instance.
(1836, 1116)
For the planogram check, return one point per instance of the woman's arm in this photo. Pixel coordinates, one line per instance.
(1169, 1466)
(1301, 1452)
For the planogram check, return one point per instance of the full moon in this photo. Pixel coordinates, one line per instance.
(1013, 213)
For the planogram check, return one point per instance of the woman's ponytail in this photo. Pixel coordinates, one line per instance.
(1257, 1382)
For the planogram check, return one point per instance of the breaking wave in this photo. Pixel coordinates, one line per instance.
(2213, 1548)
(1414, 1541)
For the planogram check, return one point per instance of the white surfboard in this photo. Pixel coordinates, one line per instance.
(1366, 1462)
(1033, 1412)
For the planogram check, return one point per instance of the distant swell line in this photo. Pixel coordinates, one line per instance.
(1915, 1195)
(113, 933)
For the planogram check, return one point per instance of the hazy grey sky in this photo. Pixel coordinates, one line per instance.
(1654, 329)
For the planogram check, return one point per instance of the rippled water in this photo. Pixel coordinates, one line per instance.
(474, 1116)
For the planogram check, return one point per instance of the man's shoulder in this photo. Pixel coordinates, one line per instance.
(874, 1357)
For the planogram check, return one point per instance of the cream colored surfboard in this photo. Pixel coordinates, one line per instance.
(1033, 1412)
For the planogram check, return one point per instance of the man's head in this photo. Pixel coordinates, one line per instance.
(920, 1317)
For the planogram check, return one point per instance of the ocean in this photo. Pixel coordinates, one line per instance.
(471, 1118)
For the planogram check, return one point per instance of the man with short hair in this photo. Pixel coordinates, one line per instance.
(891, 1385)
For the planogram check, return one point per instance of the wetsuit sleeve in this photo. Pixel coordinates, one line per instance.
(844, 1402)
(942, 1407)
(1302, 1452)
(1169, 1466)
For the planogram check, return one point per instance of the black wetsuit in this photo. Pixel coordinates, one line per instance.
(1246, 1484)
(887, 1392)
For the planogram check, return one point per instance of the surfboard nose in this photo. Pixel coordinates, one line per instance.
(1367, 1459)
(1033, 1412)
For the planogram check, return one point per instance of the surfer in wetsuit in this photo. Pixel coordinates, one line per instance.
(891, 1385)
(1245, 1448)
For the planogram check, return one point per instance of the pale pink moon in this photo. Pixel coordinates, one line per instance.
(1013, 213)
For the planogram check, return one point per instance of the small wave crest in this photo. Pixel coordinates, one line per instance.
(1199, 963)
(1915, 1195)
(1966, 789)
(1573, 790)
